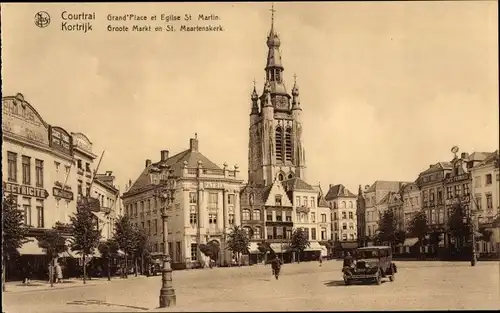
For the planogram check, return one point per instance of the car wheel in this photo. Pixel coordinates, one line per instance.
(378, 278)
(392, 277)
(347, 281)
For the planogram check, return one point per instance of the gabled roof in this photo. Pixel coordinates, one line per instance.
(491, 158)
(321, 197)
(479, 156)
(437, 167)
(296, 184)
(260, 195)
(176, 163)
(339, 191)
(386, 185)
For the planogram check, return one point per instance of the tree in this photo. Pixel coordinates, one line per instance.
(264, 247)
(53, 243)
(14, 232)
(486, 234)
(211, 250)
(109, 250)
(418, 228)
(141, 248)
(387, 228)
(125, 236)
(299, 241)
(238, 241)
(85, 234)
(459, 224)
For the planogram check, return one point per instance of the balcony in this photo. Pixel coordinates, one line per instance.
(214, 173)
(79, 171)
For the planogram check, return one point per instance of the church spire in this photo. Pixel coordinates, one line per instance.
(255, 98)
(295, 94)
(273, 55)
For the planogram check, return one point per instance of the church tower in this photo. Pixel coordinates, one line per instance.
(275, 149)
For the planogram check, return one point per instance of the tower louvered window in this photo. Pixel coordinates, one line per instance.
(279, 144)
(288, 144)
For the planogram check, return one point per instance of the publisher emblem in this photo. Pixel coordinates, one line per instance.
(42, 19)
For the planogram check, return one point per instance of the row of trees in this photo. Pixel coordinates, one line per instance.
(81, 236)
(459, 226)
(238, 242)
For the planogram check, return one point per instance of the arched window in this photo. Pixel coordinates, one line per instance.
(279, 144)
(256, 215)
(245, 215)
(290, 176)
(249, 231)
(342, 205)
(280, 177)
(288, 144)
(350, 205)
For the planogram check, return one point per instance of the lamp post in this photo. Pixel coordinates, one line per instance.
(167, 292)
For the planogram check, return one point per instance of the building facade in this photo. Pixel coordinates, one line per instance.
(410, 195)
(205, 204)
(486, 189)
(104, 189)
(374, 208)
(361, 216)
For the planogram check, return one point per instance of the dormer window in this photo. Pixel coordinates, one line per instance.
(280, 177)
(278, 200)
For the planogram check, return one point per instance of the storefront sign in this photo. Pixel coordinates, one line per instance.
(461, 200)
(60, 140)
(81, 141)
(61, 193)
(454, 179)
(213, 185)
(25, 190)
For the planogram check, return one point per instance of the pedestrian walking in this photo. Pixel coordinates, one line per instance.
(276, 266)
(59, 274)
(28, 272)
(320, 260)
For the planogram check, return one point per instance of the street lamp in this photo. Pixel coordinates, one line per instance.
(468, 221)
(167, 292)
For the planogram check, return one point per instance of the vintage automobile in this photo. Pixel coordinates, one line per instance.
(370, 264)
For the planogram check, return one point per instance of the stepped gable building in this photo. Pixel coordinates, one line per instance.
(205, 204)
(276, 159)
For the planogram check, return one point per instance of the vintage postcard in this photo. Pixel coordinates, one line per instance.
(250, 156)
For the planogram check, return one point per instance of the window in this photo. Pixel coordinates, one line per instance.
(458, 190)
(213, 198)
(87, 167)
(269, 216)
(279, 144)
(313, 233)
(155, 223)
(351, 214)
(351, 226)
(231, 218)
(170, 250)
(466, 189)
(439, 195)
(477, 181)
(26, 170)
(313, 217)
(270, 232)
(352, 236)
(323, 218)
(80, 164)
(162, 247)
(323, 234)
(279, 217)
(288, 144)
(245, 215)
(489, 201)
(193, 198)
(342, 205)
(27, 211)
(344, 215)
(288, 216)
(336, 226)
(212, 219)
(304, 201)
(87, 192)
(312, 202)
(230, 199)
(178, 254)
(193, 216)
(344, 226)
(12, 166)
(336, 237)
(142, 225)
(135, 209)
(149, 227)
(350, 205)
(257, 232)
(334, 216)
(306, 230)
(148, 207)
(39, 213)
(489, 179)
(449, 192)
(256, 215)
(297, 199)
(194, 252)
(277, 200)
(248, 230)
(344, 237)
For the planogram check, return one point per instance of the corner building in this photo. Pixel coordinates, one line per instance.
(205, 205)
(277, 163)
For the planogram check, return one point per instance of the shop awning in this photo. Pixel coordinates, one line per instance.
(279, 247)
(349, 245)
(31, 248)
(410, 242)
(314, 246)
(253, 248)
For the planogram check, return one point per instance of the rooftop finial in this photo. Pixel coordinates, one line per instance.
(294, 78)
(272, 15)
(254, 83)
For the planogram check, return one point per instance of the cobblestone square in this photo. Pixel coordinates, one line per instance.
(305, 286)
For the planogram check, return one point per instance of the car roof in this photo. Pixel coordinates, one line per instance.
(374, 248)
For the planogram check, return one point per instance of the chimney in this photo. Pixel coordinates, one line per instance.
(193, 143)
(464, 155)
(164, 155)
(148, 163)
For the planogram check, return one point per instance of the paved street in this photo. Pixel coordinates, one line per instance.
(305, 286)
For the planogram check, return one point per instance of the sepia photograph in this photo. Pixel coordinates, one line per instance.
(250, 156)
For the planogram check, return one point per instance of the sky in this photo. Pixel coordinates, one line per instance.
(387, 88)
